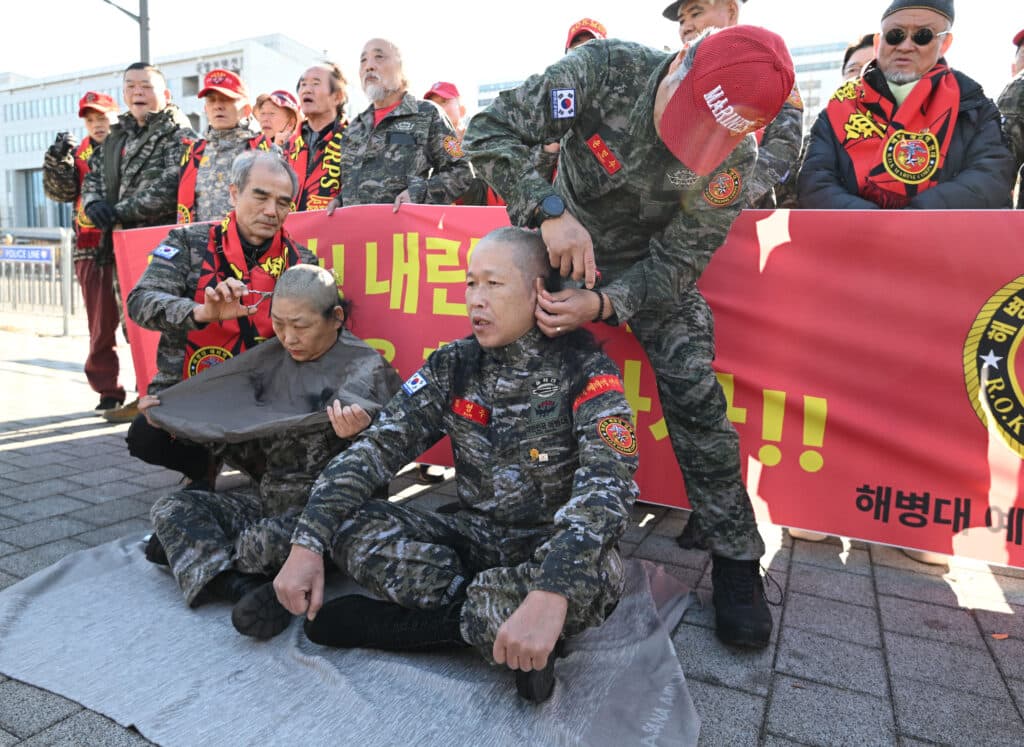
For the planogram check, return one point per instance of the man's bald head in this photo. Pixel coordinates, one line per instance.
(525, 248)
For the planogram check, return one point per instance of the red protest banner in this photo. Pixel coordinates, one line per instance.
(852, 358)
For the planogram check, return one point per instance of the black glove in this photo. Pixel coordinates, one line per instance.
(102, 215)
(64, 144)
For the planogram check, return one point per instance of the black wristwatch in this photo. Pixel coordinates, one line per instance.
(551, 206)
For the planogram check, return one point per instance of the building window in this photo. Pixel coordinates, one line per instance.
(189, 86)
(35, 199)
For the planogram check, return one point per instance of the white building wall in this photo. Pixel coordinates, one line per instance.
(34, 111)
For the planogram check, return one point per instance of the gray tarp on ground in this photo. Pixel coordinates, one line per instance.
(264, 391)
(107, 629)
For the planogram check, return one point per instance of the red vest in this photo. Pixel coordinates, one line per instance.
(87, 236)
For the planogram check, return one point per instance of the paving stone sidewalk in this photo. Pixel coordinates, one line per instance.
(870, 647)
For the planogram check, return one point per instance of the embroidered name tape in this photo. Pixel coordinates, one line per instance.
(597, 386)
(471, 411)
(604, 154)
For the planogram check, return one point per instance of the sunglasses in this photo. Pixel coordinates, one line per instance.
(921, 37)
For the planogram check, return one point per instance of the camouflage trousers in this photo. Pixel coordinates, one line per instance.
(420, 560)
(680, 343)
(204, 533)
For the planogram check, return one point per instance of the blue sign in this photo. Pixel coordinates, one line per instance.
(26, 253)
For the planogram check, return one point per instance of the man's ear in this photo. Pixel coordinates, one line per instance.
(339, 315)
(233, 195)
(947, 42)
(878, 38)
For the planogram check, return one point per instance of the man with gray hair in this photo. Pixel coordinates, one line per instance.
(400, 149)
(203, 290)
(911, 132)
(279, 413)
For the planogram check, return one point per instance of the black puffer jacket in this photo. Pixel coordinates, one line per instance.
(978, 172)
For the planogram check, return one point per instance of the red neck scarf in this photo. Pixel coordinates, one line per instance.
(224, 258)
(87, 236)
(896, 153)
(319, 172)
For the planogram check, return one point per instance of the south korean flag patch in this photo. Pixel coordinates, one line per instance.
(415, 382)
(165, 252)
(563, 103)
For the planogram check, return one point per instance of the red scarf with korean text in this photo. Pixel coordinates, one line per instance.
(897, 153)
(190, 163)
(319, 172)
(87, 236)
(224, 258)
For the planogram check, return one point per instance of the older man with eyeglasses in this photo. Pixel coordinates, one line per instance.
(911, 132)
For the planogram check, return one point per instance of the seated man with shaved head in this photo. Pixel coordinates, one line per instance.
(282, 411)
(545, 454)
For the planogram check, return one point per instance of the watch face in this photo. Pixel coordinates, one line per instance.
(552, 206)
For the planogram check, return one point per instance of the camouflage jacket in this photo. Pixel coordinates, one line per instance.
(285, 465)
(163, 298)
(654, 223)
(414, 147)
(1011, 106)
(540, 439)
(212, 201)
(778, 156)
(62, 182)
(150, 160)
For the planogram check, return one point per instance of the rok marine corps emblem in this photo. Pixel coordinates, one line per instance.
(993, 366)
(206, 357)
(911, 157)
(724, 188)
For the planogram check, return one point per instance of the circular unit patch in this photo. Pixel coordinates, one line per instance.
(724, 188)
(206, 357)
(911, 157)
(619, 434)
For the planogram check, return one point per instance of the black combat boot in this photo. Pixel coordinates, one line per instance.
(537, 686)
(155, 551)
(259, 615)
(742, 617)
(356, 621)
(230, 586)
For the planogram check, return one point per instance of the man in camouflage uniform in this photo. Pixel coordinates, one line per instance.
(64, 168)
(133, 177)
(781, 140)
(545, 454)
(206, 163)
(401, 149)
(211, 281)
(228, 544)
(1011, 106)
(650, 182)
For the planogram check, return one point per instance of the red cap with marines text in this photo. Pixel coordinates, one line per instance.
(739, 80)
(443, 90)
(100, 102)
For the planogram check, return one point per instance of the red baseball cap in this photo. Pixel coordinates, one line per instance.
(443, 89)
(1019, 38)
(586, 26)
(281, 98)
(224, 81)
(739, 79)
(100, 102)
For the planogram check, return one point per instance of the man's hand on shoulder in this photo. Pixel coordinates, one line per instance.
(300, 582)
(527, 638)
(570, 248)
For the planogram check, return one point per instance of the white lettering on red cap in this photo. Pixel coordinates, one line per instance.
(725, 115)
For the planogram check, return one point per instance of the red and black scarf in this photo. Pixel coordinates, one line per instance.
(190, 163)
(224, 258)
(319, 172)
(897, 153)
(87, 236)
